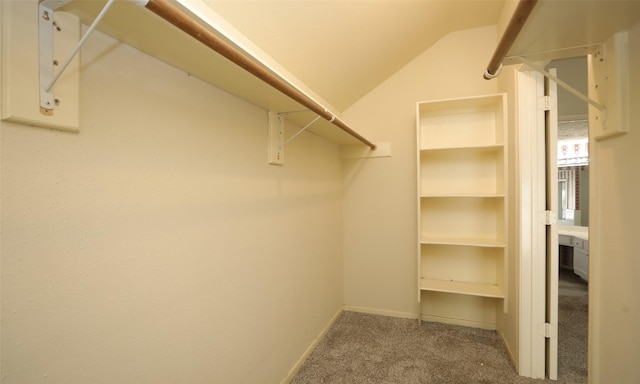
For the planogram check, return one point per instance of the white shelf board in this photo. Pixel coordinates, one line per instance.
(461, 287)
(491, 147)
(488, 243)
(470, 195)
(143, 30)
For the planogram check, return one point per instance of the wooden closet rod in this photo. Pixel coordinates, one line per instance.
(520, 16)
(181, 20)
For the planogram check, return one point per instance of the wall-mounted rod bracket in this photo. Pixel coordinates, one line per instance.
(46, 28)
(561, 83)
(293, 112)
(276, 135)
(299, 132)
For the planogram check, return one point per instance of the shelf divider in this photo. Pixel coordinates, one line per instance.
(489, 243)
(462, 287)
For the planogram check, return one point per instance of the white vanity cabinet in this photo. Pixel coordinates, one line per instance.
(581, 257)
(564, 240)
(575, 240)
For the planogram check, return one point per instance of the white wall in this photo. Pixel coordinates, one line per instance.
(380, 220)
(614, 313)
(157, 245)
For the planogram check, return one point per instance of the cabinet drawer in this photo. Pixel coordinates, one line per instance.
(564, 240)
(581, 244)
(581, 264)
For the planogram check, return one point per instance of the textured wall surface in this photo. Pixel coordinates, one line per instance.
(157, 244)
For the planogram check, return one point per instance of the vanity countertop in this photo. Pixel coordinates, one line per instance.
(579, 232)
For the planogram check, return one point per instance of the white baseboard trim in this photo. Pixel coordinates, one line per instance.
(372, 311)
(466, 323)
(509, 351)
(309, 350)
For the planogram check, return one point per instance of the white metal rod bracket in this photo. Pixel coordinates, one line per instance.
(292, 112)
(276, 135)
(564, 85)
(46, 28)
(300, 131)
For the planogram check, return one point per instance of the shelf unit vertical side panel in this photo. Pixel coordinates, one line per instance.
(419, 209)
(502, 120)
(501, 171)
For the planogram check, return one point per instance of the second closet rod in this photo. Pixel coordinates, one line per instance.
(182, 21)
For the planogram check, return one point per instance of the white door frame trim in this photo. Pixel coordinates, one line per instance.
(532, 309)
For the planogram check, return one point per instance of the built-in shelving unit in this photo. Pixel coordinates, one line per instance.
(462, 201)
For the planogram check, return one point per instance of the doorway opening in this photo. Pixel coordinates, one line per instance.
(541, 244)
(573, 219)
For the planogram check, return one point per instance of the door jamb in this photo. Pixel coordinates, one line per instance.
(532, 202)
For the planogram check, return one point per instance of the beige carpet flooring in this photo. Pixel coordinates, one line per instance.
(364, 348)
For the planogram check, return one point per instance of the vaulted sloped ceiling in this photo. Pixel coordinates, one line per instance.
(342, 49)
